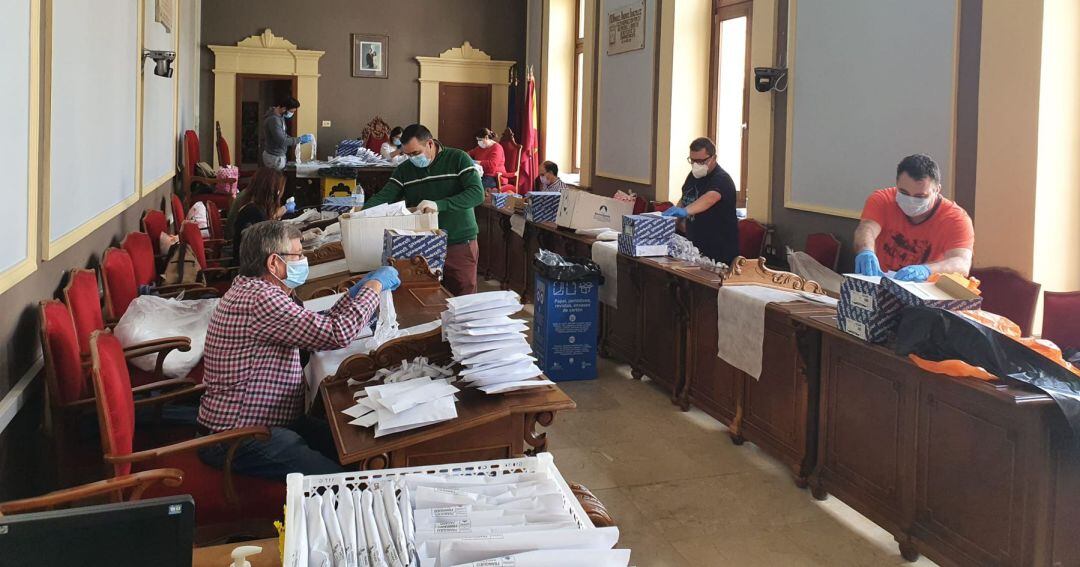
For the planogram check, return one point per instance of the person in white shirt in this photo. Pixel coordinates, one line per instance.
(392, 148)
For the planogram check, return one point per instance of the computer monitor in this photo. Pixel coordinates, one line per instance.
(158, 531)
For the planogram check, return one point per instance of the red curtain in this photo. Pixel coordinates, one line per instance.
(530, 163)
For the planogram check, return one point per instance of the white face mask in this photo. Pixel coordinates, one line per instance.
(484, 143)
(699, 170)
(914, 206)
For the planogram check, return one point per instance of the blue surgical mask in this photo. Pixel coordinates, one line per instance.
(397, 142)
(420, 160)
(296, 273)
(288, 115)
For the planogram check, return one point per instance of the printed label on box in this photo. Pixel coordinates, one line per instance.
(862, 300)
(855, 328)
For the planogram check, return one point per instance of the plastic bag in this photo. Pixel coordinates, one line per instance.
(150, 317)
(554, 267)
(227, 176)
(941, 335)
(197, 213)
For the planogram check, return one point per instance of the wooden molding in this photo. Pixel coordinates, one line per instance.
(266, 40)
(466, 51)
(746, 271)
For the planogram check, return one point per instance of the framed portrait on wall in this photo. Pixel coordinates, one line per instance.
(370, 55)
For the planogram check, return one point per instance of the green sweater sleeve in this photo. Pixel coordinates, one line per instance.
(391, 192)
(472, 193)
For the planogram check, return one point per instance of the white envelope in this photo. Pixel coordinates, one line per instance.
(560, 557)
(371, 530)
(358, 410)
(377, 392)
(393, 514)
(495, 330)
(514, 367)
(481, 323)
(514, 386)
(462, 350)
(455, 552)
(367, 420)
(346, 513)
(519, 376)
(485, 314)
(464, 301)
(382, 521)
(363, 554)
(419, 416)
(513, 360)
(459, 339)
(493, 355)
(416, 396)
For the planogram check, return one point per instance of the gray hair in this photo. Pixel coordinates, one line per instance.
(262, 240)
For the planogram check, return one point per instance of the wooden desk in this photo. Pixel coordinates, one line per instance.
(487, 427)
(965, 471)
(221, 555)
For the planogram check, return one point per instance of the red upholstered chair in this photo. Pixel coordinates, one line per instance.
(122, 285)
(82, 300)
(178, 214)
(214, 269)
(122, 488)
(216, 223)
(154, 223)
(375, 134)
(825, 248)
(513, 160)
(1061, 318)
(189, 175)
(1009, 294)
(220, 497)
(657, 206)
(140, 249)
(751, 238)
(224, 157)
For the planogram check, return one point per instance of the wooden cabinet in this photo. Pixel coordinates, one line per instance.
(661, 327)
(500, 229)
(484, 215)
(619, 336)
(964, 471)
(712, 384)
(518, 265)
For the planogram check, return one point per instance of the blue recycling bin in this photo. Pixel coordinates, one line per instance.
(566, 321)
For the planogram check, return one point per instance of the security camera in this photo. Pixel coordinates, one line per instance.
(768, 78)
(162, 61)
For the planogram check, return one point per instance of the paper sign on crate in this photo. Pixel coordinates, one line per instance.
(543, 206)
(405, 244)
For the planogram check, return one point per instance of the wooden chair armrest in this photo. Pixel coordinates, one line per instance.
(195, 290)
(162, 347)
(137, 482)
(191, 390)
(219, 272)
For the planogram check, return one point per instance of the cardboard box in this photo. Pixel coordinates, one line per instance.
(508, 201)
(648, 229)
(628, 246)
(362, 237)
(866, 308)
(543, 206)
(406, 244)
(581, 209)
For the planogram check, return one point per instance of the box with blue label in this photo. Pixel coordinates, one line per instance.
(628, 246)
(927, 294)
(402, 244)
(867, 309)
(648, 228)
(348, 147)
(565, 326)
(505, 200)
(543, 206)
(342, 202)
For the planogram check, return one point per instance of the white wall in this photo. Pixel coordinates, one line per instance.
(190, 35)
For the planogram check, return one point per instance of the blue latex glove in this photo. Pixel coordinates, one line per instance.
(290, 205)
(913, 273)
(866, 264)
(677, 212)
(307, 139)
(385, 275)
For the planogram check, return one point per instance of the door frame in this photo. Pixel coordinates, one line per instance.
(472, 85)
(240, 78)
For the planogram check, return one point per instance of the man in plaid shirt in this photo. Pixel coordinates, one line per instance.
(253, 374)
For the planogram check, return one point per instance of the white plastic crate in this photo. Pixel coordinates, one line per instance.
(300, 486)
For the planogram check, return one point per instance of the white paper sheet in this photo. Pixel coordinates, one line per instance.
(459, 333)
(485, 314)
(493, 355)
(436, 411)
(464, 350)
(455, 552)
(515, 386)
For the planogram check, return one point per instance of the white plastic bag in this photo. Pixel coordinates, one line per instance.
(150, 317)
(197, 213)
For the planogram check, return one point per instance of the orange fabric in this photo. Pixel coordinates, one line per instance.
(902, 243)
(82, 299)
(141, 251)
(119, 275)
(956, 368)
(116, 405)
(62, 353)
(492, 159)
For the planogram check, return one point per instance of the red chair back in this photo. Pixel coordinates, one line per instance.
(213, 220)
(177, 212)
(374, 143)
(641, 204)
(751, 238)
(116, 404)
(191, 152)
(154, 223)
(140, 249)
(67, 382)
(84, 303)
(660, 207)
(1061, 318)
(118, 277)
(512, 152)
(192, 236)
(223, 155)
(825, 248)
(1009, 294)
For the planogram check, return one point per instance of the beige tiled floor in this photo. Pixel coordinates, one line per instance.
(684, 495)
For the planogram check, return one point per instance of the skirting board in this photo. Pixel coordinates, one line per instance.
(19, 394)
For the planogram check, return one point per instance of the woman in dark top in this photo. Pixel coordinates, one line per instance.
(263, 203)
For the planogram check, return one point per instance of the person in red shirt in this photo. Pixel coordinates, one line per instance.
(912, 229)
(489, 154)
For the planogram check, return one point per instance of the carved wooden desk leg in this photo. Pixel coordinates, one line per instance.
(537, 440)
(594, 508)
(680, 393)
(808, 342)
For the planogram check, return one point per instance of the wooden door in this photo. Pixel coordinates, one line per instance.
(463, 110)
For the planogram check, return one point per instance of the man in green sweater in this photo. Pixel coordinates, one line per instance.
(443, 180)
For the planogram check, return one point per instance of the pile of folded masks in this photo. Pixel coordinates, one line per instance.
(363, 157)
(401, 406)
(514, 519)
(490, 346)
(408, 370)
(681, 248)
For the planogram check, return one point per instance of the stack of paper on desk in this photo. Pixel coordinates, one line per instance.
(402, 406)
(490, 345)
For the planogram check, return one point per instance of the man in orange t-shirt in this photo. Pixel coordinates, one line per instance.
(911, 229)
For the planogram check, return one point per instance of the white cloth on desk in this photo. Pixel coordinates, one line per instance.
(517, 224)
(740, 324)
(606, 255)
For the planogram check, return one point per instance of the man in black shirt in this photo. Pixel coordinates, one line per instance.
(708, 204)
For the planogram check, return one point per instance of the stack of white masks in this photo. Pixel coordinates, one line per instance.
(356, 528)
(409, 369)
(401, 406)
(489, 345)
